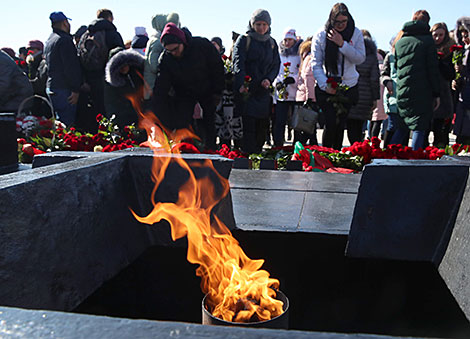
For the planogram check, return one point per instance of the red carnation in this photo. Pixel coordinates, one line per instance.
(440, 55)
(332, 83)
(456, 48)
(247, 78)
(224, 57)
(286, 64)
(99, 117)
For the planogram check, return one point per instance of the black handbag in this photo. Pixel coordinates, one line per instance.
(305, 119)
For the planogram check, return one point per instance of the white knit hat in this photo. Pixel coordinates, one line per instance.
(139, 30)
(290, 34)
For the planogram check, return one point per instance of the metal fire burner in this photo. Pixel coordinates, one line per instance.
(279, 322)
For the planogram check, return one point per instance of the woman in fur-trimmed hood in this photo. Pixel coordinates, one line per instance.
(123, 75)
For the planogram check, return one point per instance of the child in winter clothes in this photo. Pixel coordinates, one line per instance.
(285, 83)
(305, 88)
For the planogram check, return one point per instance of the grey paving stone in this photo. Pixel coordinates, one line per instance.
(294, 180)
(267, 210)
(329, 213)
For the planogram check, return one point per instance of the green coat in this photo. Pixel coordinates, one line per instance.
(417, 75)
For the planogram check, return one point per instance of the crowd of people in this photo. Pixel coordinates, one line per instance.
(247, 97)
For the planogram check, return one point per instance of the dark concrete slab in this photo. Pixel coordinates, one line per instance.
(66, 228)
(455, 266)
(406, 209)
(19, 323)
(293, 201)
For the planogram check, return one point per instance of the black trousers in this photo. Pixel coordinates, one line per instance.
(333, 131)
(354, 128)
(254, 133)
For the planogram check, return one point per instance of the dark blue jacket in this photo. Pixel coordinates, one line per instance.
(261, 61)
(62, 62)
(113, 38)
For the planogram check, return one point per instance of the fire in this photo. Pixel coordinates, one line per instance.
(236, 287)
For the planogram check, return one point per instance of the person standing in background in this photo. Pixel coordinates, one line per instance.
(418, 84)
(64, 72)
(336, 50)
(255, 66)
(286, 83)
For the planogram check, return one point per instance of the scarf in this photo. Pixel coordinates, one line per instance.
(331, 50)
(294, 50)
(259, 37)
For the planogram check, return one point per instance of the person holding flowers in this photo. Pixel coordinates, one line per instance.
(441, 123)
(462, 84)
(336, 50)
(285, 83)
(255, 66)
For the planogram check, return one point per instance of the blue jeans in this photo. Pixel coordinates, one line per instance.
(64, 111)
(417, 139)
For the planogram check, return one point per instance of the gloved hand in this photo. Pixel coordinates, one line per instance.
(280, 85)
(288, 81)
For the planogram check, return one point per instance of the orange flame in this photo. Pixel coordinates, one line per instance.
(237, 289)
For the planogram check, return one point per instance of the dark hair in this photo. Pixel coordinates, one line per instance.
(381, 52)
(331, 50)
(337, 9)
(104, 13)
(421, 15)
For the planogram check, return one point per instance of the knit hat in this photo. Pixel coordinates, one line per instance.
(172, 35)
(290, 34)
(139, 30)
(35, 44)
(260, 15)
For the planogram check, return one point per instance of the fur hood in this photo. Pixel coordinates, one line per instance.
(371, 47)
(465, 22)
(126, 57)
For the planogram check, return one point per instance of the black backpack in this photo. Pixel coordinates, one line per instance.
(93, 51)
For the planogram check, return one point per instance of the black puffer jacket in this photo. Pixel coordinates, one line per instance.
(113, 38)
(118, 86)
(14, 85)
(368, 83)
(198, 76)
